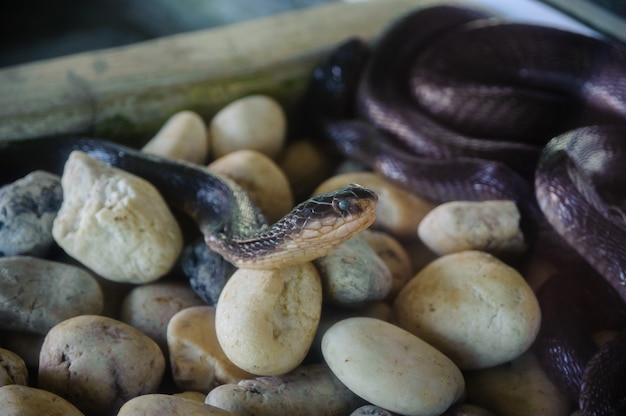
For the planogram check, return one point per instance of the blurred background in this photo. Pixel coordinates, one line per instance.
(39, 29)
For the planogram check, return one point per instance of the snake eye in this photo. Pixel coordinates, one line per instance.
(343, 205)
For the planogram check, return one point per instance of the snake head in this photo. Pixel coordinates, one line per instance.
(311, 230)
(334, 217)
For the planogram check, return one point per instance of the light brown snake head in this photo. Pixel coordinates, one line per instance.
(311, 230)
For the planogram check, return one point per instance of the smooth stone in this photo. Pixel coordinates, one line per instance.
(393, 254)
(517, 388)
(150, 307)
(471, 306)
(305, 166)
(12, 368)
(115, 223)
(261, 178)
(27, 208)
(184, 136)
(398, 212)
(353, 274)
(197, 359)
(30, 401)
(491, 226)
(391, 368)
(255, 122)
(99, 363)
(163, 404)
(370, 410)
(310, 390)
(36, 294)
(266, 319)
(206, 270)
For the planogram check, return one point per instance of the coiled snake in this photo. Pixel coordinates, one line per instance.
(453, 103)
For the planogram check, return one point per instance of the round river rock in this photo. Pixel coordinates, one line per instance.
(115, 223)
(36, 294)
(471, 306)
(99, 363)
(30, 401)
(255, 122)
(391, 368)
(27, 208)
(183, 137)
(266, 319)
(12, 368)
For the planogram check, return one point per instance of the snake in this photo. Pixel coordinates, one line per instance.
(228, 220)
(455, 103)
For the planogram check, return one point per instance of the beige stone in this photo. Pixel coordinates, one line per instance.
(115, 223)
(99, 363)
(197, 359)
(391, 368)
(255, 122)
(150, 307)
(491, 226)
(305, 165)
(163, 404)
(261, 178)
(472, 307)
(266, 319)
(30, 401)
(12, 368)
(183, 137)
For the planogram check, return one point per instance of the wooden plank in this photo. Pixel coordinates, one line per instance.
(128, 92)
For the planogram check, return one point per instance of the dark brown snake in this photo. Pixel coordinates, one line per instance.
(455, 104)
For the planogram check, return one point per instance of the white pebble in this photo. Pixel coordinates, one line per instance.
(391, 368)
(115, 223)
(183, 137)
(471, 306)
(491, 226)
(255, 122)
(261, 178)
(266, 319)
(197, 359)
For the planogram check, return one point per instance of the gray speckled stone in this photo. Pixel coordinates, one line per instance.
(207, 271)
(371, 410)
(354, 274)
(27, 208)
(37, 294)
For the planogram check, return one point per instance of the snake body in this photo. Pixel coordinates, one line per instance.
(454, 103)
(230, 223)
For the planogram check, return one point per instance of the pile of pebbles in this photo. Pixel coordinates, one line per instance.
(106, 308)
